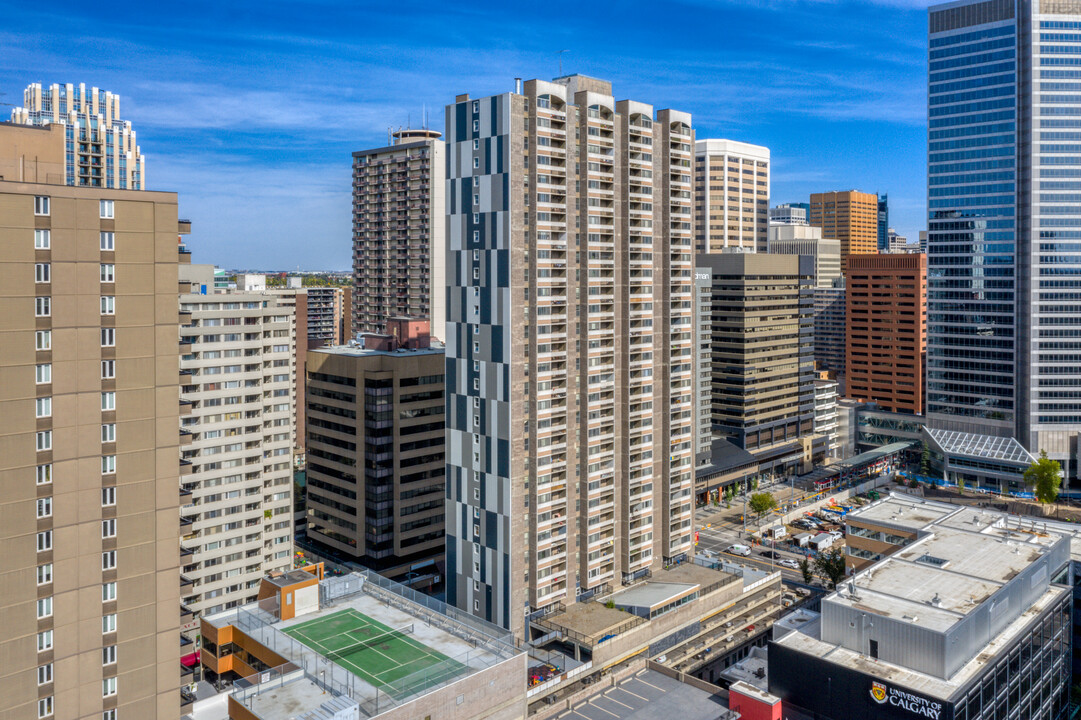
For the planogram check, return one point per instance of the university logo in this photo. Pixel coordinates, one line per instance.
(878, 692)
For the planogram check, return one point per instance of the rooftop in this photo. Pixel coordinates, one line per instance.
(351, 350)
(904, 511)
(981, 446)
(647, 695)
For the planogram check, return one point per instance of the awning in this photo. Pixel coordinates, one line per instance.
(190, 660)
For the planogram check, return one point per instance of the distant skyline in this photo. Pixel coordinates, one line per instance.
(251, 111)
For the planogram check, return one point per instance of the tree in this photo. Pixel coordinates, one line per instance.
(805, 568)
(925, 460)
(762, 503)
(831, 563)
(1045, 476)
(960, 486)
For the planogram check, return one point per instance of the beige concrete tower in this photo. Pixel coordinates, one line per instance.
(89, 444)
(731, 196)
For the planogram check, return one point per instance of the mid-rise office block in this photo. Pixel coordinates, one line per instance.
(808, 240)
(895, 243)
(99, 148)
(850, 216)
(830, 330)
(237, 383)
(570, 351)
(763, 355)
(886, 310)
(883, 222)
(375, 452)
(731, 185)
(790, 214)
(399, 228)
(89, 442)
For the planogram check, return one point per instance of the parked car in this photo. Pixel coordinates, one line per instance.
(737, 549)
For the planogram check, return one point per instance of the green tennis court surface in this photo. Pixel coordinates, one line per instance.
(371, 650)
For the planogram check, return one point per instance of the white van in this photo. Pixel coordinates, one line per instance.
(740, 550)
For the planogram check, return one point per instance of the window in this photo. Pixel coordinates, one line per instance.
(476, 163)
(108, 655)
(41, 205)
(108, 623)
(108, 464)
(108, 432)
(43, 407)
(44, 507)
(45, 705)
(45, 607)
(108, 272)
(108, 528)
(45, 474)
(43, 307)
(43, 340)
(108, 560)
(476, 126)
(108, 241)
(108, 592)
(476, 144)
(45, 640)
(43, 374)
(108, 305)
(42, 239)
(45, 674)
(41, 273)
(108, 337)
(108, 401)
(45, 574)
(108, 687)
(106, 208)
(108, 369)
(108, 497)
(476, 106)
(45, 540)
(45, 440)
(109, 715)
(476, 181)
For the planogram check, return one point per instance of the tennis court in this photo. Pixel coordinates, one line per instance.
(371, 650)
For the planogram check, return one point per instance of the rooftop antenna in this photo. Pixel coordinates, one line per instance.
(561, 61)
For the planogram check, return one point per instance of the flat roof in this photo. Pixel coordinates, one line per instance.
(593, 620)
(290, 578)
(647, 695)
(652, 594)
(437, 348)
(905, 511)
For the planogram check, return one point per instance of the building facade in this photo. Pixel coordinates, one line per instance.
(807, 240)
(886, 346)
(570, 351)
(89, 416)
(790, 214)
(99, 148)
(703, 340)
(831, 333)
(731, 185)
(328, 315)
(398, 232)
(826, 419)
(850, 216)
(883, 222)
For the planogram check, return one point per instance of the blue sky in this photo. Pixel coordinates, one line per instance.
(251, 110)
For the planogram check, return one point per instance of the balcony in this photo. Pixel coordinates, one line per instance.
(185, 408)
(186, 437)
(185, 467)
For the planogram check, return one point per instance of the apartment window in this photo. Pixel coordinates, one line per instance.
(45, 574)
(476, 145)
(476, 605)
(44, 474)
(43, 407)
(108, 528)
(41, 273)
(108, 401)
(476, 273)
(43, 340)
(476, 126)
(476, 106)
(108, 337)
(108, 272)
(108, 560)
(108, 305)
(108, 369)
(43, 374)
(108, 623)
(43, 307)
(108, 687)
(108, 241)
(45, 607)
(476, 217)
(108, 497)
(108, 464)
(476, 239)
(45, 440)
(45, 705)
(41, 205)
(108, 432)
(476, 163)
(42, 239)
(45, 674)
(106, 209)
(109, 715)
(108, 655)
(45, 640)
(476, 199)
(108, 592)
(44, 507)
(45, 540)
(476, 181)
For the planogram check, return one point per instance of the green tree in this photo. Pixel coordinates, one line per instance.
(762, 503)
(925, 460)
(805, 568)
(961, 486)
(831, 563)
(1045, 476)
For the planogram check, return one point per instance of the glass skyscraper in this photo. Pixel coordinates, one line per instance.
(1004, 221)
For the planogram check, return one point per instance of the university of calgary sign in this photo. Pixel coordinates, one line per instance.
(906, 701)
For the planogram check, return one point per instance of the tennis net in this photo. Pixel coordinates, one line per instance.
(379, 639)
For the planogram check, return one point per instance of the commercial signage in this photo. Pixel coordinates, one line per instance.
(919, 706)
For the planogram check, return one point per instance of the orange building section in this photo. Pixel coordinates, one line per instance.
(850, 216)
(886, 347)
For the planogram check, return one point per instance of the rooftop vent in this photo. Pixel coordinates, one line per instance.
(936, 601)
(933, 561)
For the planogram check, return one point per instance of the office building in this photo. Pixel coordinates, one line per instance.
(763, 357)
(790, 214)
(570, 464)
(376, 410)
(399, 226)
(895, 243)
(826, 421)
(831, 333)
(731, 194)
(1003, 355)
(886, 315)
(99, 148)
(883, 222)
(964, 613)
(807, 240)
(89, 442)
(236, 366)
(923, 242)
(850, 216)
